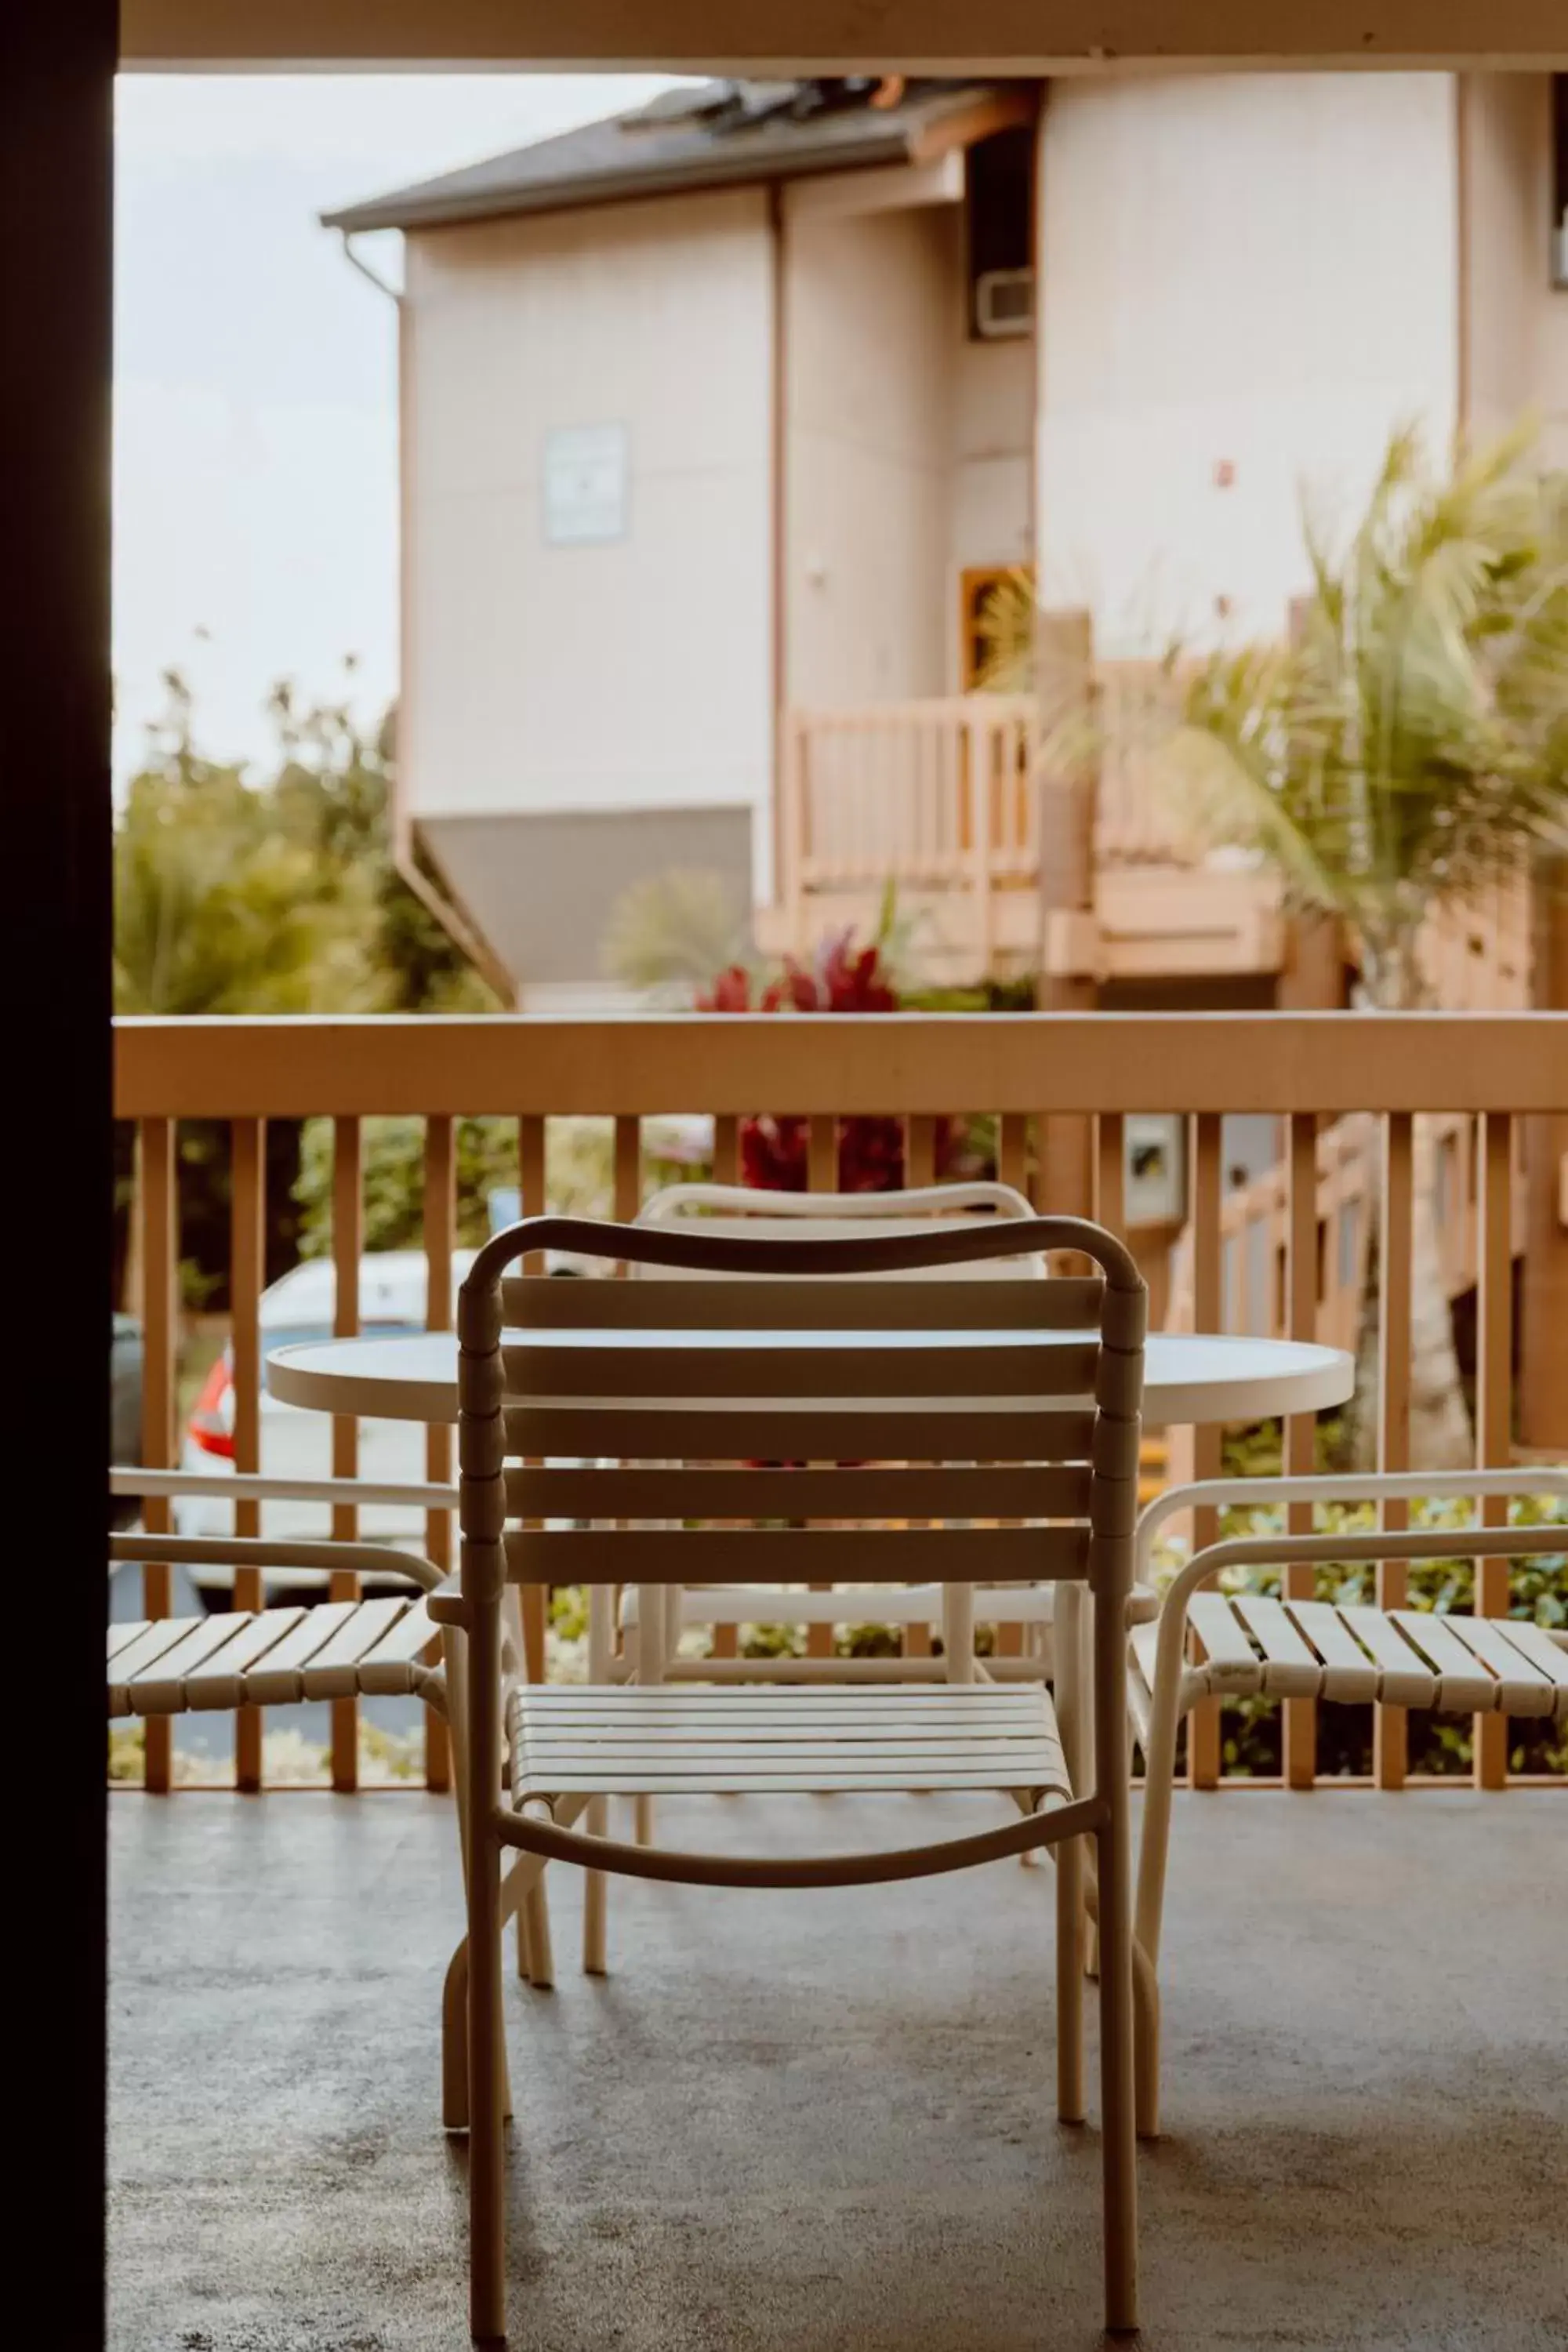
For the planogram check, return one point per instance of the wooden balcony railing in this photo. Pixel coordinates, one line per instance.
(942, 800)
(1057, 1089)
(1256, 1234)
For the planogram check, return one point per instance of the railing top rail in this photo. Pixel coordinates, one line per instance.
(918, 710)
(1330, 1062)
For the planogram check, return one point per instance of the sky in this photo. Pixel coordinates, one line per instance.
(256, 406)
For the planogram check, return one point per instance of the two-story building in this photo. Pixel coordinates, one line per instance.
(721, 420)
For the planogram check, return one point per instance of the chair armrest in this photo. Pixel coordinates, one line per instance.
(262, 1551)
(445, 1603)
(242, 1486)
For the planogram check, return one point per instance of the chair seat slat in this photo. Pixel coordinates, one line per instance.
(1522, 1688)
(1289, 1668)
(1407, 1679)
(161, 1686)
(1232, 1663)
(153, 1639)
(634, 1740)
(1533, 1642)
(332, 1670)
(278, 1679)
(1349, 1677)
(220, 1680)
(1465, 1684)
(915, 1604)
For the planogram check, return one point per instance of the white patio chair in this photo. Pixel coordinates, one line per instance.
(1248, 1644)
(634, 1416)
(282, 1655)
(747, 1212)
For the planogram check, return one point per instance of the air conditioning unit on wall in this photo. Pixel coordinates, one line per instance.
(1004, 303)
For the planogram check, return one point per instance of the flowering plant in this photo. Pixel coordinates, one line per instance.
(840, 978)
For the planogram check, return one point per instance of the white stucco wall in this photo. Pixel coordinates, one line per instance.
(1517, 320)
(869, 314)
(993, 421)
(605, 676)
(1254, 272)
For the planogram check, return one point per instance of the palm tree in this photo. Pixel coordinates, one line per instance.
(1407, 747)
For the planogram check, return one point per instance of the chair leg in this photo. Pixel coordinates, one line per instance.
(515, 1887)
(486, 1919)
(1118, 2120)
(642, 1816)
(535, 1915)
(594, 1890)
(455, 2042)
(1146, 2042)
(1070, 2104)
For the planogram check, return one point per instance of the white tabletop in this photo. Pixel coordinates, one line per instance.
(1187, 1376)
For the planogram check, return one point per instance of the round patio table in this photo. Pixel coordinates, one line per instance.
(1188, 1377)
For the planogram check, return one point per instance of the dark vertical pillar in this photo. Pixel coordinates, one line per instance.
(56, 68)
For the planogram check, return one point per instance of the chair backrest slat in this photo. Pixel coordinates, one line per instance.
(1020, 1430)
(915, 1490)
(775, 1556)
(802, 1303)
(699, 1366)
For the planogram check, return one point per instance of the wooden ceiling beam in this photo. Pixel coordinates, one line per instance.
(787, 36)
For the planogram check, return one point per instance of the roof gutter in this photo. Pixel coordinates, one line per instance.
(359, 263)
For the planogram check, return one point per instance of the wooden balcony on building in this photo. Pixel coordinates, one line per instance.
(941, 803)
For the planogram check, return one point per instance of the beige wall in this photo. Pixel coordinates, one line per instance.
(869, 330)
(1516, 322)
(1256, 272)
(994, 423)
(605, 676)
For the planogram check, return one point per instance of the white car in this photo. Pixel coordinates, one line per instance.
(295, 1443)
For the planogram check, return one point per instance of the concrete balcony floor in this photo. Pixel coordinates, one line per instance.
(825, 2122)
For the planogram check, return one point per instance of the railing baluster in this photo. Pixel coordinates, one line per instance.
(1013, 1168)
(919, 1148)
(1204, 1723)
(1110, 1172)
(1013, 1150)
(627, 1195)
(440, 1228)
(160, 1258)
(348, 1244)
(726, 1639)
(1390, 1727)
(532, 1201)
(821, 1176)
(1494, 1366)
(246, 1262)
(1300, 1714)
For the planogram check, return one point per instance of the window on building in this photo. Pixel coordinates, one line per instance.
(1559, 180)
(1001, 233)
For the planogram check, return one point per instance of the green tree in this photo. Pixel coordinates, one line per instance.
(269, 895)
(1408, 747)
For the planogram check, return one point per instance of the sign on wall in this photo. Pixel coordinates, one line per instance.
(586, 470)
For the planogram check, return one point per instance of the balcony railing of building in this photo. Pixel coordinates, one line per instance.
(942, 800)
(1057, 1092)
